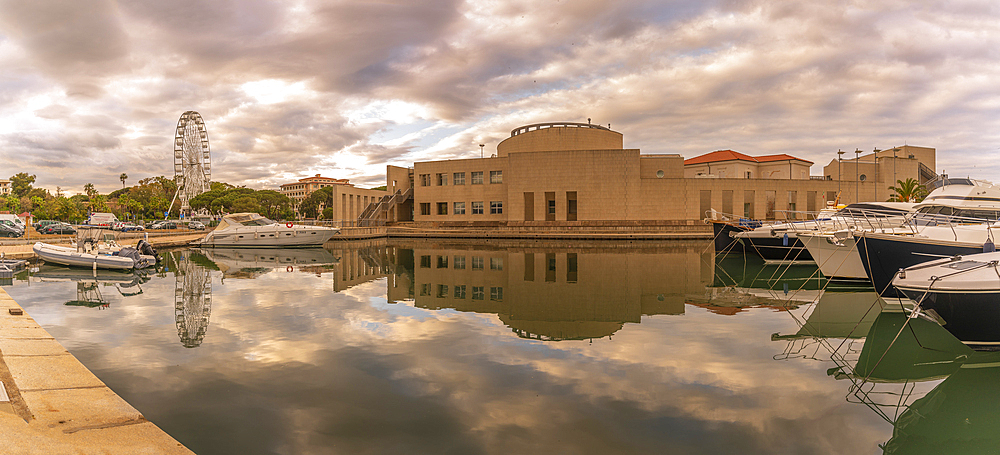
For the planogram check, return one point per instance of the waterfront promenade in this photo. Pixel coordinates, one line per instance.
(50, 403)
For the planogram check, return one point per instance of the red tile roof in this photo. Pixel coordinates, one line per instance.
(730, 155)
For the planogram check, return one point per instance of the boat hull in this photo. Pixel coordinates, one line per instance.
(837, 259)
(276, 236)
(781, 248)
(70, 257)
(725, 242)
(972, 317)
(883, 255)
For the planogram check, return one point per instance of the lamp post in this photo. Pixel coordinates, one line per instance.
(875, 180)
(857, 175)
(894, 170)
(840, 175)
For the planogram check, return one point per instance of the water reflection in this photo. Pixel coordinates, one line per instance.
(89, 283)
(557, 292)
(192, 297)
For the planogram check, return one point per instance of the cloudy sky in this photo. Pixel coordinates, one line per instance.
(93, 88)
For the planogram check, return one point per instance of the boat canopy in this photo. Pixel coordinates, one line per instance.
(244, 219)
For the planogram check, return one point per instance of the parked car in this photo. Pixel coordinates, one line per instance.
(58, 228)
(196, 225)
(163, 225)
(41, 224)
(127, 226)
(7, 230)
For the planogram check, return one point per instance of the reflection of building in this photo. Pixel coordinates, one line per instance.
(192, 299)
(573, 174)
(559, 291)
(348, 201)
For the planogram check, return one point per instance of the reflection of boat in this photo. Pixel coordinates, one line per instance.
(750, 271)
(900, 348)
(235, 261)
(963, 292)
(252, 230)
(839, 315)
(89, 283)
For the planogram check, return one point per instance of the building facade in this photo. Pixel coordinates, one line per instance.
(347, 200)
(571, 174)
(4, 187)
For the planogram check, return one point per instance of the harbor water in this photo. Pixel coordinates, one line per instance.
(496, 347)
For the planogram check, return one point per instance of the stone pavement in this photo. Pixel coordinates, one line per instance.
(51, 404)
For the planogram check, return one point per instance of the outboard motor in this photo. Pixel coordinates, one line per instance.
(132, 254)
(145, 248)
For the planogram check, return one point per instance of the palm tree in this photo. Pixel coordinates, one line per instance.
(123, 177)
(89, 189)
(908, 191)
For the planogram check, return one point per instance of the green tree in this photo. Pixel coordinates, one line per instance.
(20, 183)
(123, 177)
(908, 191)
(11, 203)
(89, 189)
(309, 207)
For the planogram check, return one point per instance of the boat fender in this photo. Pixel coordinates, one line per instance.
(989, 247)
(784, 240)
(288, 269)
(288, 225)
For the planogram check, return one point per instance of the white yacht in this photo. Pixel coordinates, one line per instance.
(254, 231)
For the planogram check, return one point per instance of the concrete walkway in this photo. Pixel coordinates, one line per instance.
(54, 405)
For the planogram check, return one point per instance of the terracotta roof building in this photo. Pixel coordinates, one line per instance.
(729, 164)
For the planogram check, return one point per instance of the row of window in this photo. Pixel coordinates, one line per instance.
(459, 262)
(478, 292)
(458, 178)
(458, 208)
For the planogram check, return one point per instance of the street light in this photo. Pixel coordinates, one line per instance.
(840, 175)
(857, 175)
(875, 181)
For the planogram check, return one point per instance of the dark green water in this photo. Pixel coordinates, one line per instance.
(515, 347)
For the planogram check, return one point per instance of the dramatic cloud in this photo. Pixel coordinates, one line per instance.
(290, 89)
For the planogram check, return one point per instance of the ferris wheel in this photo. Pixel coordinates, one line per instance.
(192, 161)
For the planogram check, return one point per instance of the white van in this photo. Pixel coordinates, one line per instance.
(102, 219)
(12, 218)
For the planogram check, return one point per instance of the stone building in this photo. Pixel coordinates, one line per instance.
(5, 187)
(579, 174)
(348, 201)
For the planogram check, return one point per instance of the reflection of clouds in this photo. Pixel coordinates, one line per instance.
(291, 367)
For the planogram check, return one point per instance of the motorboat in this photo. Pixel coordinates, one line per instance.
(960, 292)
(249, 230)
(778, 242)
(124, 259)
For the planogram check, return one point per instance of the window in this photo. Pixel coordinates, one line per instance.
(442, 262)
(477, 178)
(442, 291)
(496, 176)
(425, 180)
(459, 262)
(442, 179)
(496, 263)
(477, 263)
(458, 178)
(496, 207)
(571, 206)
(459, 208)
(425, 208)
(496, 294)
(478, 293)
(550, 206)
(442, 208)
(425, 262)
(425, 289)
(459, 291)
(477, 208)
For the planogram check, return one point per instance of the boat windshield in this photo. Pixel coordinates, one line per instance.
(258, 222)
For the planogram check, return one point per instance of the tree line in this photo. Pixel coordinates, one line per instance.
(147, 200)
